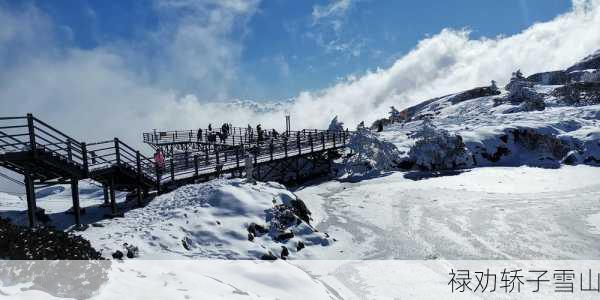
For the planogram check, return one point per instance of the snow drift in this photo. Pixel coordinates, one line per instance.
(222, 219)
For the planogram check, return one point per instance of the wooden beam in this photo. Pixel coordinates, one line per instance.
(75, 196)
(31, 207)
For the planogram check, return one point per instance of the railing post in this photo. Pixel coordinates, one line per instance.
(30, 127)
(117, 152)
(206, 157)
(310, 141)
(86, 169)
(196, 165)
(217, 155)
(173, 169)
(323, 141)
(298, 144)
(237, 157)
(285, 146)
(271, 149)
(69, 151)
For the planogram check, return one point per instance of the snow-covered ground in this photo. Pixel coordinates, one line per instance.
(484, 213)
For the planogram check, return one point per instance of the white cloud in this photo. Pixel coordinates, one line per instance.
(335, 9)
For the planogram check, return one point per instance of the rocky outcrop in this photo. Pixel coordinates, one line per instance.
(42, 243)
(474, 93)
(550, 78)
(590, 62)
(579, 93)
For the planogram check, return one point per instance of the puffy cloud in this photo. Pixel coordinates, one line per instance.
(451, 61)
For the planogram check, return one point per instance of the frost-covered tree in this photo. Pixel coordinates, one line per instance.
(361, 126)
(394, 114)
(517, 75)
(494, 86)
(336, 125)
(437, 149)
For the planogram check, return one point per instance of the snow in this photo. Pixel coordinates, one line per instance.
(485, 213)
(212, 220)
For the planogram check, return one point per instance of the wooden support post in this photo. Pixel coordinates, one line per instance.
(237, 158)
(206, 157)
(271, 150)
(173, 169)
(158, 172)
(310, 140)
(195, 166)
(31, 206)
(217, 155)
(140, 198)
(285, 146)
(322, 141)
(75, 196)
(298, 145)
(113, 199)
(105, 190)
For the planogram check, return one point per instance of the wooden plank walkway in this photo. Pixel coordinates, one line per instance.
(46, 156)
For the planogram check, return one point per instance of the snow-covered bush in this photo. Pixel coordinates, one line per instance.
(368, 155)
(521, 92)
(437, 149)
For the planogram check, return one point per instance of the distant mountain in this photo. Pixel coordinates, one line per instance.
(545, 119)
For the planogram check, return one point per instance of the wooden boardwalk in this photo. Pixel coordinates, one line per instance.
(47, 156)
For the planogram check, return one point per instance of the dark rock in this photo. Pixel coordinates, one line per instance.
(42, 243)
(571, 159)
(185, 245)
(283, 236)
(299, 246)
(284, 252)
(250, 236)
(132, 251)
(550, 78)
(256, 229)
(301, 210)
(579, 93)
(406, 164)
(474, 93)
(268, 256)
(500, 151)
(590, 62)
(117, 254)
(97, 225)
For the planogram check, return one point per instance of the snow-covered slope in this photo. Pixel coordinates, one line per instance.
(543, 120)
(212, 220)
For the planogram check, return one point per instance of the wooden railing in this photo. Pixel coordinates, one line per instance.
(106, 154)
(31, 134)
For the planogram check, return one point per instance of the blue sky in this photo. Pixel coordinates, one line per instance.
(287, 46)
